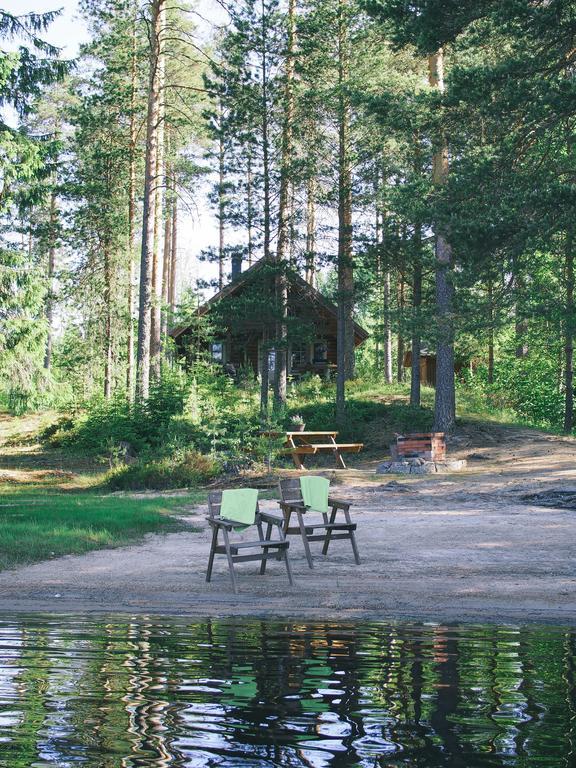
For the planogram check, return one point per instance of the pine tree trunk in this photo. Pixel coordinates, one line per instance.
(445, 400)
(491, 333)
(264, 383)
(221, 207)
(415, 383)
(284, 216)
(49, 309)
(387, 327)
(130, 364)
(569, 335)
(401, 346)
(250, 210)
(155, 96)
(108, 336)
(265, 134)
(345, 259)
(173, 252)
(293, 227)
(264, 378)
(521, 323)
(310, 231)
(166, 264)
(156, 332)
(386, 278)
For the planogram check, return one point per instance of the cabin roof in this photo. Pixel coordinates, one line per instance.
(293, 277)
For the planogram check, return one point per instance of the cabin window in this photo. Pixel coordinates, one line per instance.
(320, 352)
(299, 357)
(217, 351)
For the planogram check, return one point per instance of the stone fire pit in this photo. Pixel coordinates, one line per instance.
(420, 453)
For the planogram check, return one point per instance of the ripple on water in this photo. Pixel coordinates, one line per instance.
(78, 691)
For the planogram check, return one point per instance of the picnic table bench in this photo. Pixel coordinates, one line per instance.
(300, 444)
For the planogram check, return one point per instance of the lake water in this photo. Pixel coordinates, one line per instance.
(151, 692)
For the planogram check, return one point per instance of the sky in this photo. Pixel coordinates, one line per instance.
(197, 229)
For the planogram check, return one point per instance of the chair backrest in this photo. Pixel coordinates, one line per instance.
(214, 503)
(290, 491)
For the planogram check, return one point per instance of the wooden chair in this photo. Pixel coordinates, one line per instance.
(292, 504)
(267, 548)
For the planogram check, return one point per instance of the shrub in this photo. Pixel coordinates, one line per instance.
(183, 469)
(108, 423)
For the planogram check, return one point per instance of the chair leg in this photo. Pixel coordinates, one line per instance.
(284, 527)
(288, 568)
(354, 548)
(305, 539)
(328, 533)
(230, 561)
(264, 551)
(212, 552)
(287, 515)
(353, 540)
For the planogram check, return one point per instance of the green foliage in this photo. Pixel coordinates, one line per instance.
(105, 424)
(527, 386)
(22, 329)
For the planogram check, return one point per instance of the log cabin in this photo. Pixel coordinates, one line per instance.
(242, 319)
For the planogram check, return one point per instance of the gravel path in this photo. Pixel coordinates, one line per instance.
(459, 548)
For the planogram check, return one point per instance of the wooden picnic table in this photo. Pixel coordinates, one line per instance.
(302, 444)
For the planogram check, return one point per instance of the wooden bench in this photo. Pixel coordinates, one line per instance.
(304, 444)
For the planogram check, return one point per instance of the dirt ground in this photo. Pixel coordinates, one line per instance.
(463, 547)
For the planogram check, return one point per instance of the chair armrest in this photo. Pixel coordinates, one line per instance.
(220, 522)
(268, 518)
(287, 506)
(339, 503)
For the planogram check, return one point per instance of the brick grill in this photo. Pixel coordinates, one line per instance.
(430, 446)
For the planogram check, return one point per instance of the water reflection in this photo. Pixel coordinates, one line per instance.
(126, 693)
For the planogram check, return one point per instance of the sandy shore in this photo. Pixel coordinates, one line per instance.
(459, 548)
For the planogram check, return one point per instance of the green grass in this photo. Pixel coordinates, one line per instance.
(40, 524)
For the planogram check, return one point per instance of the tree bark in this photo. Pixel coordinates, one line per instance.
(264, 378)
(108, 352)
(265, 134)
(491, 333)
(445, 400)
(166, 264)
(311, 231)
(284, 216)
(521, 323)
(149, 203)
(401, 346)
(173, 251)
(387, 327)
(345, 232)
(133, 130)
(156, 333)
(221, 206)
(415, 383)
(569, 335)
(49, 308)
(250, 209)
(264, 382)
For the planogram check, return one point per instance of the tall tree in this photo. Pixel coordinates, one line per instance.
(445, 400)
(152, 183)
(285, 215)
(346, 363)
